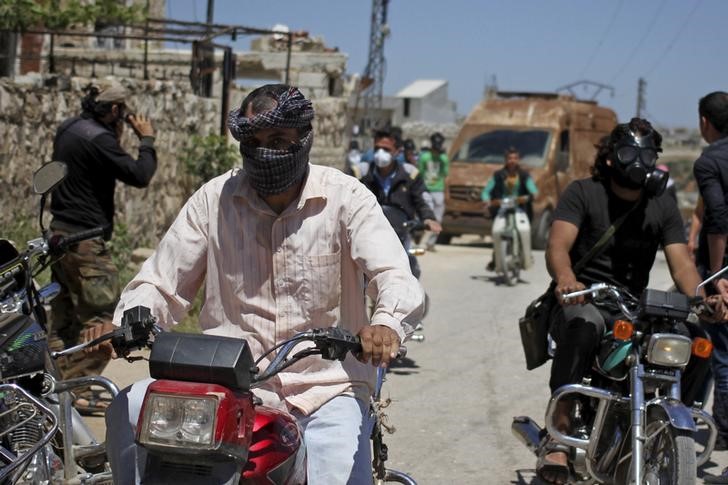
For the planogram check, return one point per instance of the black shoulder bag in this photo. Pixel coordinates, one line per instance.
(535, 323)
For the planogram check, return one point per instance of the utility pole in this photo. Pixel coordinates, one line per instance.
(210, 10)
(208, 55)
(641, 85)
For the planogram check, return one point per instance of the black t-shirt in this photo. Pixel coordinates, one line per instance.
(627, 258)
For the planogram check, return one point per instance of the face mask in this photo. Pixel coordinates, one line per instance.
(382, 158)
(275, 171)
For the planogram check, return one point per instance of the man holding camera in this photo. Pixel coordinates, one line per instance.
(90, 146)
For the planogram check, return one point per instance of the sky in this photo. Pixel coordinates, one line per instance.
(677, 46)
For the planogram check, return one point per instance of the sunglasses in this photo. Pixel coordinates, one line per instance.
(628, 154)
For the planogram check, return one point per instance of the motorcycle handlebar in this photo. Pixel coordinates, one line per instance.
(58, 244)
(618, 295)
(134, 333)
(414, 225)
(331, 343)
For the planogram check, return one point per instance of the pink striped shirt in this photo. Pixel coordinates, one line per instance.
(268, 276)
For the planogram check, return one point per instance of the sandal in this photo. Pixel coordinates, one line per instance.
(549, 471)
(92, 402)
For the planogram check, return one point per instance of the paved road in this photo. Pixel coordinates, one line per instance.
(455, 394)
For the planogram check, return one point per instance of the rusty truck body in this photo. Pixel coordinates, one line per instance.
(555, 134)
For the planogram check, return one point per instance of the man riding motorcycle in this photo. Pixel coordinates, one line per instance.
(282, 246)
(399, 185)
(510, 181)
(624, 181)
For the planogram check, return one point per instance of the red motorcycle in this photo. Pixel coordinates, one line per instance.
(200, 421)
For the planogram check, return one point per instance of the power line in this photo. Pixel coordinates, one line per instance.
(669, 47)
(636, 49)
(604, 37)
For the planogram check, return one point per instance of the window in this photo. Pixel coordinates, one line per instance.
(490, 147)
(406, 108)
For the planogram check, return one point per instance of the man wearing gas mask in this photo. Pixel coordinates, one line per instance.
(398, 185)
(625, 185)
(282, 246)
(89, 145)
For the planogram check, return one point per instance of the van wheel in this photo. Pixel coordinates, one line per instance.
(443, 238)
(541, 234)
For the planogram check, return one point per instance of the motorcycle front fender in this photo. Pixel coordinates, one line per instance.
(676, 412)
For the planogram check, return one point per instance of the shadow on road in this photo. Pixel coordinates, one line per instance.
(498, 280)
(526, 476)
(404, 366)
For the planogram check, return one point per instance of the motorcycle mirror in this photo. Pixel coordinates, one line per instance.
(47, 177)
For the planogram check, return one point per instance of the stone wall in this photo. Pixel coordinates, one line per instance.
(31, 110)
(32, 107)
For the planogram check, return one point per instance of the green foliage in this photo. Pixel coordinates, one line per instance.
(208, 156)
(19, 15)
(121, 247)
(22, 230)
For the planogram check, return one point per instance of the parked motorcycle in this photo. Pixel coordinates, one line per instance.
(42, 438)
(200, 421)
(511, 240)
(628, 422)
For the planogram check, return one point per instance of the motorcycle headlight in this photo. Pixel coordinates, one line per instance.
(669, 350)
(179, 421)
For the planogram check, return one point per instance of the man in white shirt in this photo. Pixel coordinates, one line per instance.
(284, 246)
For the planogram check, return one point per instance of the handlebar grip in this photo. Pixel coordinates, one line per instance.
(414, 225)
(60, 243)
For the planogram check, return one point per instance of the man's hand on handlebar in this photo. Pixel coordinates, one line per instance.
(379, 343)
(523, 199)
(716, 311)
(568, 285)
(91, 333)
(721, 286)
(433, 225)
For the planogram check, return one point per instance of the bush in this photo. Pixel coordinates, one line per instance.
(208, 156)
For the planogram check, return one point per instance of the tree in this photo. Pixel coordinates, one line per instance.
(21, 15)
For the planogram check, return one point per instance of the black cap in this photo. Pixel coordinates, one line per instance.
(436, 139)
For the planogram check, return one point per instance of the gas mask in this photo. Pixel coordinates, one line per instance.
(382, 158)
(634, 161)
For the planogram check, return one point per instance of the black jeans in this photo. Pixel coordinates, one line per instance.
(578, 330)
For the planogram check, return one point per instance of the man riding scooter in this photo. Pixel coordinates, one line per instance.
(510, 182)
(399, 185)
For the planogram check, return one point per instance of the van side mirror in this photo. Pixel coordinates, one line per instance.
(562, 162)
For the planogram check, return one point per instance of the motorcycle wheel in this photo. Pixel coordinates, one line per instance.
(506, 262)
(516, 256)
(394, 476)
(669, 454)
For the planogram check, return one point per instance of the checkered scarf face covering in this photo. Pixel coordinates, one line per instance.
(274, 171)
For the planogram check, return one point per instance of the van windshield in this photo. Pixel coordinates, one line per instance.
(490, 147)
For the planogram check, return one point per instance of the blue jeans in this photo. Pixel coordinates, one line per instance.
(337, 439)
(719, 366)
